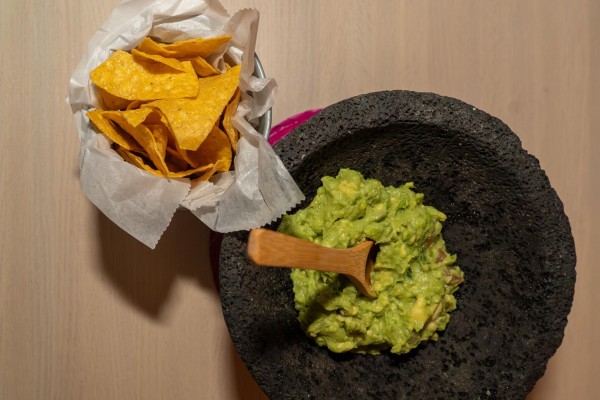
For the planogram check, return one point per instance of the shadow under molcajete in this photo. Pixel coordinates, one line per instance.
(145, 277)
(246, 387)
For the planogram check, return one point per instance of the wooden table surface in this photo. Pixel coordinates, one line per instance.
(86, 312)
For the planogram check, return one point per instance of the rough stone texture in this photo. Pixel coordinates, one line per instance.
(505, 222)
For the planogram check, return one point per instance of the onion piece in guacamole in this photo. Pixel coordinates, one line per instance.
(414, 276)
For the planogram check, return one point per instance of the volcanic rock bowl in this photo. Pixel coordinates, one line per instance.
(505, 222)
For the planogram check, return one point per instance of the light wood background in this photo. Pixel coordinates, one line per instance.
(88, 313)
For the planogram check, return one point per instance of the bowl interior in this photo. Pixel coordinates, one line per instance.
(505, 223)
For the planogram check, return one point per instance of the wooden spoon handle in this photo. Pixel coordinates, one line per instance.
(273, 249)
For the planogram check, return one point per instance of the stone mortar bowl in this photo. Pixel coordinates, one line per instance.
(505, 222)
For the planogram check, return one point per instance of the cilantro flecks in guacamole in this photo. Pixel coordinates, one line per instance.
(414, 277)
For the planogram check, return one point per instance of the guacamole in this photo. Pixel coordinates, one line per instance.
(414, 277)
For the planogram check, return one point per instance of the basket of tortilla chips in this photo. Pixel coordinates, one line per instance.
(167, 106)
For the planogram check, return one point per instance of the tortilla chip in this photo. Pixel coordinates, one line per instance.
(165, 140)
(149, 46)
(191, 120)
(175, 161)
(232, 133)
(135, 104)
(202, 67)
(199, 47)
(170, 62)
(215, 150)
(137, 161)
(112, 132)
(123, 77)
(161, 137)
(131, 122)
(111, 102)
(209, 173)
(185, 156)
(189, 172)
(140, 163)
(156, 118)
(133, 117)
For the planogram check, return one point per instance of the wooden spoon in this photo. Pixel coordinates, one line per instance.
(273, 249)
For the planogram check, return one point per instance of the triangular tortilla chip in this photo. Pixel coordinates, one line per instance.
(216, 149)
(202, 67)
(192, 120)
(199, 47)
(168, 61)
(122, 76)
(131, 122)
(228, 115)
(112, 132)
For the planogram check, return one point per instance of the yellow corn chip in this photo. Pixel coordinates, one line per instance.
(149, 46)
(123, 77)
(232, 133)
(145, 57)
(216, 149)
(209, 173)
(134, 104)
(140, 163)
(161, 137)
(131, 122)
(202, 67)
(189, 68)
(156, 119)
(132, 117)
(137, 161)
(191, 120)
(175, 161)
(112, 132)
(176, 155)
(166, 143)
(199, 47)
(189, 172)
(184, 49)
(185, 156)
(111, 102)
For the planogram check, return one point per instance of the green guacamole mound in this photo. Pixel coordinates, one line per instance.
(414, 277)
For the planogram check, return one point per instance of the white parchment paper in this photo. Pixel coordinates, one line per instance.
(259, 189)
